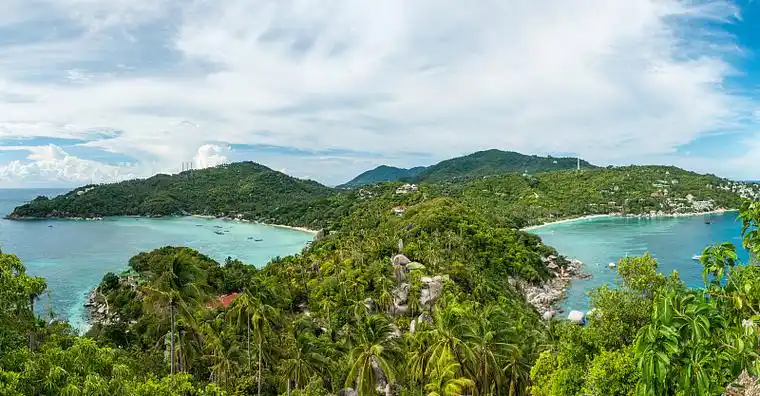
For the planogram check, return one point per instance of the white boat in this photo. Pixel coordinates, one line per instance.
(696, 257)
(612, 265)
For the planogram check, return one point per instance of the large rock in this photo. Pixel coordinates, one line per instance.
(348, 392)
(370, 305)
(400, 259)
(432, 287)
(548, 315)
(399, 273)
(400, 310)
(577, 317)
(380, 379)
(401, 294)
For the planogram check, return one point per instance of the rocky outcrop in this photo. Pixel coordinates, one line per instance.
(744, 385)
(577, 317)
(431, 289)
(400, 299)
(348, 392)
(543, 296)
(400, 259)
(97, 309)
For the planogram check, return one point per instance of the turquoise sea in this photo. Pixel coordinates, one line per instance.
(671, 240)
(74, 255)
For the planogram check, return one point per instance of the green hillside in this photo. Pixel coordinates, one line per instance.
(247, 189)
(492, 162)
(481, 163)
(527, 200)
(382, 173)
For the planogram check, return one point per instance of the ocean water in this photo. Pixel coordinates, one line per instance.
(74, 255)
(671, 240)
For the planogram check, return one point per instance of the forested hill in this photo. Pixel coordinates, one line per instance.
(493, 162)
(382, 173)
(245, 188)
(631, 190)
(481, 163)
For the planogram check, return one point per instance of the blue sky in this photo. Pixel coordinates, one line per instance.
(103, 90)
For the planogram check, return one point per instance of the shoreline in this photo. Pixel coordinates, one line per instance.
(641, 216)
(240, 220)
(197, 216)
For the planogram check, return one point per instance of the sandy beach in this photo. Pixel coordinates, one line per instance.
(304, 229)
(597, 216)
(570, 220)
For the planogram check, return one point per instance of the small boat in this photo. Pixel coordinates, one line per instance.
(50, 226)
(258, 239)
(218, 233)
(696, 257)
(612, 265)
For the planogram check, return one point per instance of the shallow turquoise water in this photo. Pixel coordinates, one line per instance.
(74, 255)
(672, 241)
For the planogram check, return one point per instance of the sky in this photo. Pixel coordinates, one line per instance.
(106, 90)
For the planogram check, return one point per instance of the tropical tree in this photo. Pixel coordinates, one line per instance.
(445, 380)
(305, 355)
(178, 286)
(371, 360)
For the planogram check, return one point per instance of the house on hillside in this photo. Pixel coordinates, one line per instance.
(223, 301)
(398, 210)
(407, 188)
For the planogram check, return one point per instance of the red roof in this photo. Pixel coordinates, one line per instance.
(224, 301)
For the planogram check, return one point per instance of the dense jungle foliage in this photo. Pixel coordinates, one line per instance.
(330, 319)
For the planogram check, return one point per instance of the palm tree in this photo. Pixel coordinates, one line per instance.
(452, 335)
(259, 317)
(305, 356)
(177, 287)
(376, 347)
(445, 381)
(240, 311)
(223, 354)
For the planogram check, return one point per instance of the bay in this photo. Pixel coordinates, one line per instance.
(671, 240)
(74, 255)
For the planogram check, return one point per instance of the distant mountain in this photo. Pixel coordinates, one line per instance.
(382, 173)
(481, 163)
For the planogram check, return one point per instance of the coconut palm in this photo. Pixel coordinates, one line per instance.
(305, 356)
(445, 380)
(452, 334)
(224, 355)
(178, 288)
(375, 349)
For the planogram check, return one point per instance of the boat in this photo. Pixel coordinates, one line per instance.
(612, 265)
(696, 257)
(258, 239)
(218, 233)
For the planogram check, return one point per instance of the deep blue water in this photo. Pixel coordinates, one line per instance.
(672, 241)
(74, 255)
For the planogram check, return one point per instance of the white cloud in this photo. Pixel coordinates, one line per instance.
(617, 81)
(210, 155)
(51, 165)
